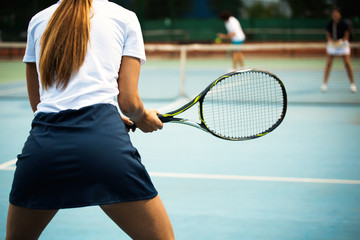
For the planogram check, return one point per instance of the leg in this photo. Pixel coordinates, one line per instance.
(241, 59)
(348, 68)
(329, 61)
(146, 219)
(27, 224)
(234, 62)
(238, 59)
(350, 73)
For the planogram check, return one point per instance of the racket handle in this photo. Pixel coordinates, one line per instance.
(131, 127)
(161, 117)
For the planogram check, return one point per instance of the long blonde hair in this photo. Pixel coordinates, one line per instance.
(64, 43)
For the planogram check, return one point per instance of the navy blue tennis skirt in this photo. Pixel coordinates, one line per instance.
(78, 158)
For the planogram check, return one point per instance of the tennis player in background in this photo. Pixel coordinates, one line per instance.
(337, 35)
(80, 56)
(236, 35)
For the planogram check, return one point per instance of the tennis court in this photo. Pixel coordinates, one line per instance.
(301, 181)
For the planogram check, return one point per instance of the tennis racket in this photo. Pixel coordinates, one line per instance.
(237, 106)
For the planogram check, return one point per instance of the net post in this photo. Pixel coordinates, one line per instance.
(183, 53)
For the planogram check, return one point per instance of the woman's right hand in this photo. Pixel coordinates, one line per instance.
(149, 121)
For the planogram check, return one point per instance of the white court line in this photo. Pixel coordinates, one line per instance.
(253, 178)
(10, 165)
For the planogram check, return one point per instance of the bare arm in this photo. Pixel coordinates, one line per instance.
(328, 37)
(129, 100)
(226, 36)
(32, 81)
(346, 36)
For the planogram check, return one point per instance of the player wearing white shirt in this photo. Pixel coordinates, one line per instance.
(80, 56)
(96, 80)
(234, 29)
(236, 35)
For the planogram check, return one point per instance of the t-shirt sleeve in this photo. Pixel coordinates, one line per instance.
(345, 26)
(134, 43)
(30, 55)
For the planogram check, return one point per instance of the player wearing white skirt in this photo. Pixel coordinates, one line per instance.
(81, 56)
(338, 34)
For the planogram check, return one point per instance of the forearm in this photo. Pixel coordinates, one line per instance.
(346, 36)
(132, 108)
(129, 100)
(328, 37)
(226, 36)
(32, 83)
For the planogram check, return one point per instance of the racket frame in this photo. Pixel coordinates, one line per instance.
(169, 117)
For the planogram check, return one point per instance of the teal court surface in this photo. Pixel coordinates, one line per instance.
(301, 181)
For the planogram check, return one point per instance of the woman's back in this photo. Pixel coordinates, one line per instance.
(114, 32)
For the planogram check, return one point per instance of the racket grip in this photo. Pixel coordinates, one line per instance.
(131, 127)
(161, 117)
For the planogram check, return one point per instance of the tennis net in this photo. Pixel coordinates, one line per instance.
(174, 70)
(184, 70)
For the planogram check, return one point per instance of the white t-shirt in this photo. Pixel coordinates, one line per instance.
(233, 26)
(114, 32)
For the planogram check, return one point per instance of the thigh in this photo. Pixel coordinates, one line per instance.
(24, 223)
(235, 55)
(329, 58)
(145, 219)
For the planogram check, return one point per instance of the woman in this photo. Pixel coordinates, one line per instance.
(236, 35)
(337, 35)
(80, 55)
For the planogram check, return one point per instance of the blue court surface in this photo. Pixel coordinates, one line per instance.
(301, 181)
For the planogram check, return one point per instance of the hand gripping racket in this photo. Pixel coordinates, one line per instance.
(237, 106)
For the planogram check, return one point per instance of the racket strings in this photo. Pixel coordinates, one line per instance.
(243, 105)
